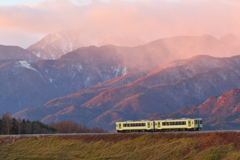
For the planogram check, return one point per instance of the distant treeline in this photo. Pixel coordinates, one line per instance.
(10, 125)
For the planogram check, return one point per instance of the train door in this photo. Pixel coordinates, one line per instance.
(189, 123)
(159, 125)
(198, 124)
(120, 127)
(148, 124)
(153, 125)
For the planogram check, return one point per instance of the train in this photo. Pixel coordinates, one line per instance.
(183, 124)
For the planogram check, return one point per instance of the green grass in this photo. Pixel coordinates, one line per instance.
(121, 146)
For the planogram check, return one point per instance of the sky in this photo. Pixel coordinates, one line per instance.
(24, 22)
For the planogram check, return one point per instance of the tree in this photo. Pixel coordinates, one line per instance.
(23, 129)
(29, 127)
(14, 127)
(1, 126)
(6, 122)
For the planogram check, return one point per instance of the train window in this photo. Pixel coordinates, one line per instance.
(201, 122)
(189, 122)
(195, 121)
(176, 123)
(124, 125)
(163, 123)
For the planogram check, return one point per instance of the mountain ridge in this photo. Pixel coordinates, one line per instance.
(133, 101)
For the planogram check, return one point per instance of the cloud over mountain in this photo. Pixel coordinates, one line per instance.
(148, 19)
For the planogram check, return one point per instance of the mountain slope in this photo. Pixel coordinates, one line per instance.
(22, 85)
(75, 98)
(173, 71)
(160, 51)
(218, 112)
(55, 45)
(14, 52)
(209, 76)
(76, 70)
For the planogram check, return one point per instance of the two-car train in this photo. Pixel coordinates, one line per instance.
(184, 124)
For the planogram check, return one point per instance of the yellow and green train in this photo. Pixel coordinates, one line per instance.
(184, 124)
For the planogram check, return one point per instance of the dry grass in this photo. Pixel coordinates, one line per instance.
(124, 146)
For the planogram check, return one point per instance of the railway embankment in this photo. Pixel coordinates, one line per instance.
(203, 145)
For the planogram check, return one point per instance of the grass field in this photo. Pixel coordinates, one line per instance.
(124, 146)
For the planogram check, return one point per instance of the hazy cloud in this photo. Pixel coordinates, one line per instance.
(148, 19)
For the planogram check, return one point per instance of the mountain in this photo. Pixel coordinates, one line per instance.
(22, 85)
(86, 67)
(57, 44)
(27, 84)
(74, 99)
(165, 90)
(14, 52)
(159, 51)
(173, 71)
(218, 112)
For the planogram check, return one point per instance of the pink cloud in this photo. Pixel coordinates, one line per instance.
(147, 19)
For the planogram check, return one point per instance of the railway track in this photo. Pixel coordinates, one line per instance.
(78, 134)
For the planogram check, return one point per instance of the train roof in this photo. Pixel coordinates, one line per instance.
(161, 120)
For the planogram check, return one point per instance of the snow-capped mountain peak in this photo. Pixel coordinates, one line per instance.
(57, 44)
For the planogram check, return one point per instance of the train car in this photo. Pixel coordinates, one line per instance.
(135, 126)
(184, 124)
